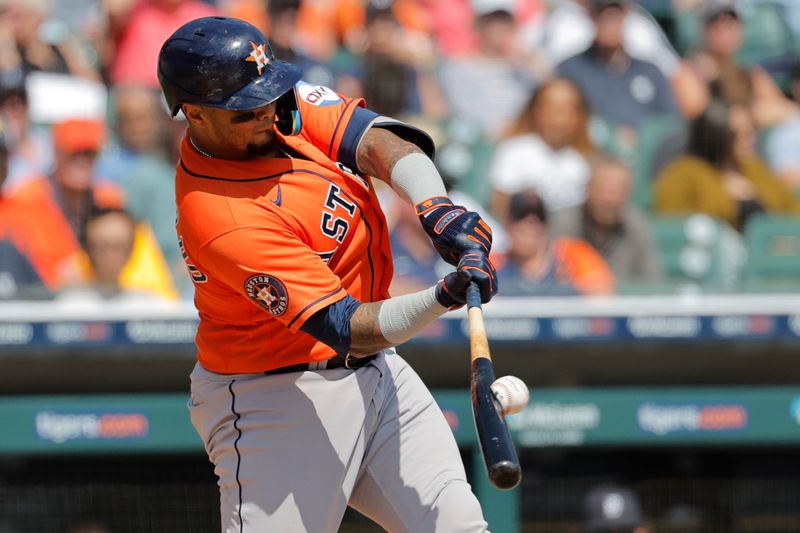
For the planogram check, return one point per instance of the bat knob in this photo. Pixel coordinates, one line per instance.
(505, 475)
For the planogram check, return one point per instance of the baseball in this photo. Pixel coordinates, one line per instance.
(512, 393)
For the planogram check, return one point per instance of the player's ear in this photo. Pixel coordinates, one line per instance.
(194, 114)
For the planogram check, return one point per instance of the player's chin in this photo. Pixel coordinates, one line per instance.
(259, 149)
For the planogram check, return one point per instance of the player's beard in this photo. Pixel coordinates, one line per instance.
(262, 145)
(260, 149)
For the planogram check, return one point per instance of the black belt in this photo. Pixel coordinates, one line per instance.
(338, 361)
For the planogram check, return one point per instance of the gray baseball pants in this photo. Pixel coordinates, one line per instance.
(292, 451)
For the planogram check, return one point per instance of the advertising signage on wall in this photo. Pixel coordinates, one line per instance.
(659, 416)
(554, 418)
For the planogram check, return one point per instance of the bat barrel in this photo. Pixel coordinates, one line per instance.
(502, 464)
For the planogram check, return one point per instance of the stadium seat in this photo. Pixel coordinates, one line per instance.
(661, 138)
(601, 134)
(657, 8)
(700, 250)
(773, 243)
(769, 42)
(465, 158)
(766, 34)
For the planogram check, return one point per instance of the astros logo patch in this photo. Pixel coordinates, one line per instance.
(258, 56)
(268, 292)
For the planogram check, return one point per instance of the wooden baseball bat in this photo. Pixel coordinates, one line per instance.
(499, 455)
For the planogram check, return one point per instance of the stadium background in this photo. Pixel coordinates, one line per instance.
(683, 390)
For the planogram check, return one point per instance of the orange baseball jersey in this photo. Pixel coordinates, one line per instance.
(269, 242)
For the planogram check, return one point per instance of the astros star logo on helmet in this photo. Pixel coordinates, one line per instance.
(258, 56)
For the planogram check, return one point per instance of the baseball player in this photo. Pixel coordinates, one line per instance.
(302, 403)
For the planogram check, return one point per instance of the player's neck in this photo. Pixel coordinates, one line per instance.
(275, 150)
(194, 145)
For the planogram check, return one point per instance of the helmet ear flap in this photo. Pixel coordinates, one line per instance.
(287, 114)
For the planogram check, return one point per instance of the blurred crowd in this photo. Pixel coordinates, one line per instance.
(615, 146)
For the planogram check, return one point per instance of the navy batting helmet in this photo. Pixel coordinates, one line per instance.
(226, 63)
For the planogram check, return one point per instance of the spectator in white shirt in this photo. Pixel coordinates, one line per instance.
(545, 150)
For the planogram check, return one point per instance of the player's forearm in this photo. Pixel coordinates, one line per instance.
(365, 333)
(401, 164)
(379, 325)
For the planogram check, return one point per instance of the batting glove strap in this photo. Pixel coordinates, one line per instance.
(426, 206)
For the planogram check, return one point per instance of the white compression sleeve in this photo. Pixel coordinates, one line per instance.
(415, 178)
(402, 317)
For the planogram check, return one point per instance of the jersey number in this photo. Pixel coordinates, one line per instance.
(194, 272)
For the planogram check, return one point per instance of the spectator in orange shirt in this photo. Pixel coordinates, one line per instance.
(18, 277)
(535, 264)
(54, 208)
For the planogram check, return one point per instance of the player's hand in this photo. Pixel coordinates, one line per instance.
(475, 267)
(453, 230)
